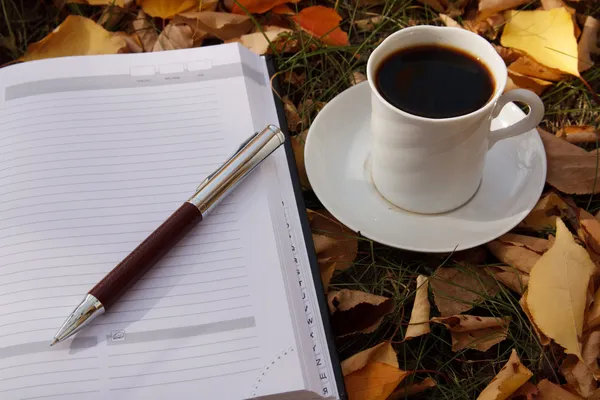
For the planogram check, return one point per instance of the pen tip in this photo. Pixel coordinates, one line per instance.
(54, 342)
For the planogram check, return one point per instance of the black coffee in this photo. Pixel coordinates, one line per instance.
(434, 81)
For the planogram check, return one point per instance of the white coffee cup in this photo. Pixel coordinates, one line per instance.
(427, 165)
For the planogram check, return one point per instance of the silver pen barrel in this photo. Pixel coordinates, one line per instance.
(250, 154)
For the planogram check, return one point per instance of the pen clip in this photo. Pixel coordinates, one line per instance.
(244, 144)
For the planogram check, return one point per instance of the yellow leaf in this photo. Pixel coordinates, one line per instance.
(381, 353)
(525, 65)
(76, 36)
(580, 375)
(544, 340)
(510, 378)
(557, 290)
(376, 381)
(166, 8)
(520, 81)
(457, 290)
(356, 311)
(547, 36)
(419, 317)
(174, 37)
(472, 332)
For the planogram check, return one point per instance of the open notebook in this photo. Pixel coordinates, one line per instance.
(95, 152)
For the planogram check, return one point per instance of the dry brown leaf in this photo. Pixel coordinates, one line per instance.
(166, 8)
(513, 278)
(526, 392)
(294, 78)
(174, 37)
(382, 353)
(353, 311)
(520, 81)
(550, 4)
(488, 26)
(544, 340)
(419, 317)
(580, 374)
(508, 55)
(134, 45)
(357, 77)
(458, 290)
(588, 43)
(448, 21)
(472, 332)
(75, 36)
(578, 134)
(490, 7)
(145, 31)
(298, 142)
(368, 24)
(376, 381)
(543, 216)
(272, 37)
(408, 390)
(511, 377)
(292, 115)
(550, 391)
(593, 315)
(571, 169)
(521, 252)
(525, 65)
(588, 230)
(222, 25)
(557, 291)
(437, 5)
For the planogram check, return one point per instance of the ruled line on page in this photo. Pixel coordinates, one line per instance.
(49, 384)
(162, 93)
(49, 372)
(71, 111)
(175, 305)
(48, 362)
(186, 380)
(55, 99)
(60, 394)
(78, 135)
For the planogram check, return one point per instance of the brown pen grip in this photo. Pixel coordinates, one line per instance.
(152, 249)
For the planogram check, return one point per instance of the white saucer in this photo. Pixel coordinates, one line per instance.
(337, 164)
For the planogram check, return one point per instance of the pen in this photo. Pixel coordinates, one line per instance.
(208, 194)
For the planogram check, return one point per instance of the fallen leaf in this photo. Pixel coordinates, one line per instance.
(490, 7)
(513, 278)
(327, 268)
(488, 26)
(174, 37)
(588, 230)
(472, 332)
(547, 36)
(261, 42)
(322, 23)
(457, 290)
(283, 9)
(550, 4)
(376, 381)
(382, 353)
(222, 25)
(557, 290)
(343, 253)
(588, 43)
(578, 134)
(508, 55)
(419, 317)
(292, 115)
(298, 142)
(368, 24)
(254, 6)
(145, 31)
(593, 315)
(448, 21)
(571, 169)
(294, 78)
(166, 9)
(117, 3)
(411, 389)
(520, 81)
(529, 67)
(511, 377)
(526, 392)
(372, 374)
(580, 374)
(111, 16)
(549, 391)
(75, 36)
(354, 311)
(544, 340)
(437, 5)
(519, 251)
(357, 77)
(543, 216)
(134, 45)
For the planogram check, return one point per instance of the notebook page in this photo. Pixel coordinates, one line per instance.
(93, 161)
(309, 325)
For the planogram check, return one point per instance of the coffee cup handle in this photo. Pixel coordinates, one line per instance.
(531, 120)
